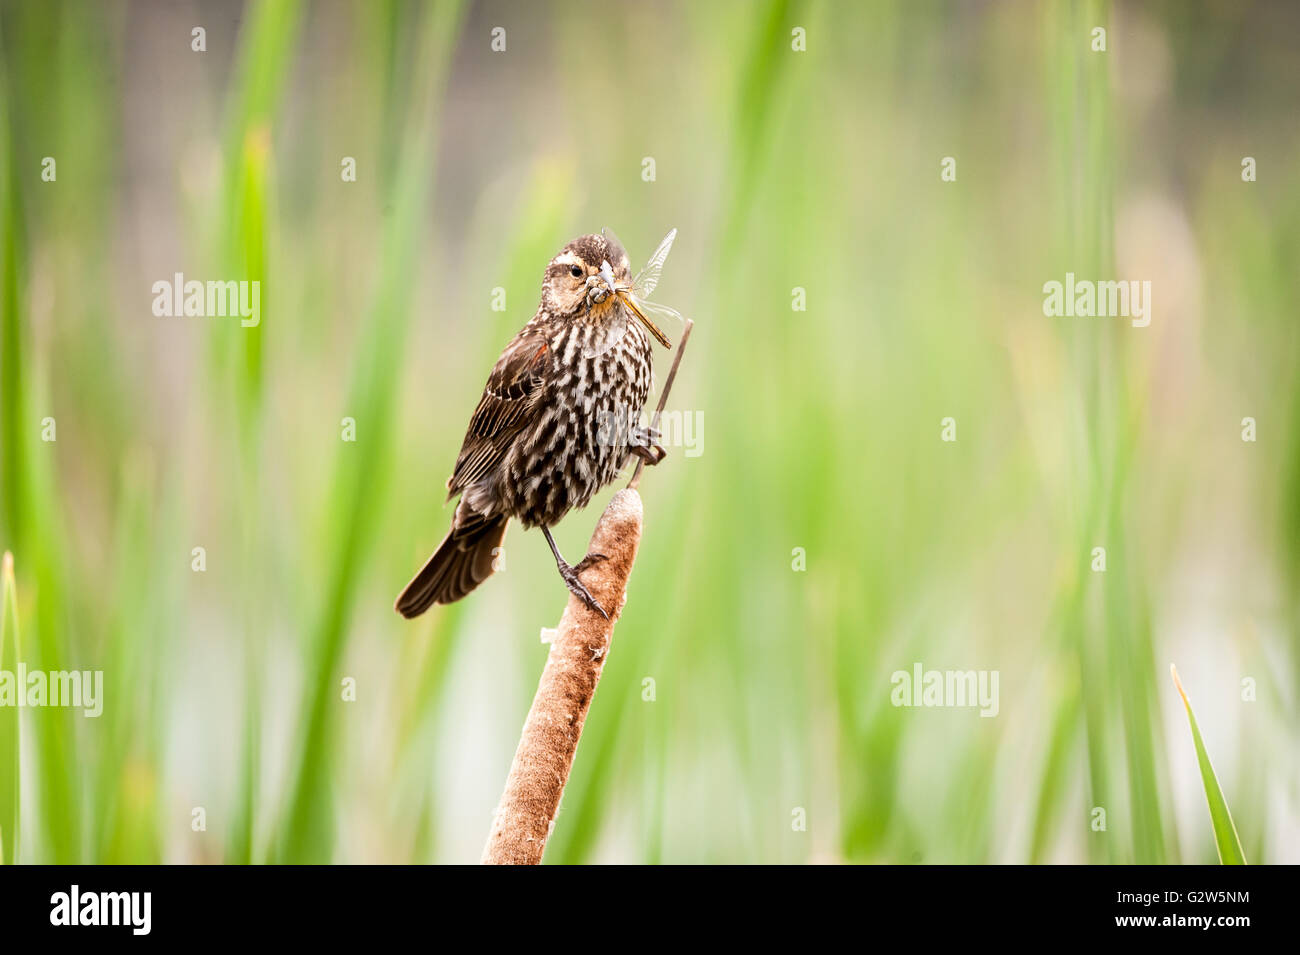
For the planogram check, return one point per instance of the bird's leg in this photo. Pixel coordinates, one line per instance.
(644, 443)
(569, 574)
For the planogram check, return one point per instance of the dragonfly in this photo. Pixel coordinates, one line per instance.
(635, 298)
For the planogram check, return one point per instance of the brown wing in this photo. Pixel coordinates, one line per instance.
(509, 402)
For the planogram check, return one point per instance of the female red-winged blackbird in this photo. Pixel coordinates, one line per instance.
(557, 421)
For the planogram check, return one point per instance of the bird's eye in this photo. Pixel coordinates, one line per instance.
(576, 271)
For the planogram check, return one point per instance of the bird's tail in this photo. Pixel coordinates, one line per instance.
(462, 561)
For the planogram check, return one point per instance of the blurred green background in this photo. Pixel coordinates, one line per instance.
(782, 169)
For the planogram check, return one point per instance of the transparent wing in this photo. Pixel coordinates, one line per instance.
(609, 334)
(648, 277)
(670, 321)
(609, 233)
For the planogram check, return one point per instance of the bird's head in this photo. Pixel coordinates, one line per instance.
(590, 279)
(584, 277)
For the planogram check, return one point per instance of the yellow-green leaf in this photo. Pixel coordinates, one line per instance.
(8, 717)
(1225, 832)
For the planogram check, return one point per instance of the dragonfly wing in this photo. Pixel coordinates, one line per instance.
(670, 321)
(608, 335)
(648, 277)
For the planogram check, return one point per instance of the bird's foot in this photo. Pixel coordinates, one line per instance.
(645, 445)
(570, 577)
(651, 455)
(569, 574)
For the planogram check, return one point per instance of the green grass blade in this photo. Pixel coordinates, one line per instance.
(1225, 832)
(308, 833)
(9, 764)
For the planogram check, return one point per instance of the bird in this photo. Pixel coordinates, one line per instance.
(557, 421)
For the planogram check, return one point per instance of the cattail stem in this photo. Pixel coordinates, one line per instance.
(542, 762)
(663, 397)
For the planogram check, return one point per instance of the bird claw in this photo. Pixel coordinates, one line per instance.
(588, 561)
(645, 445)
(651, 455)
(570, 577)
